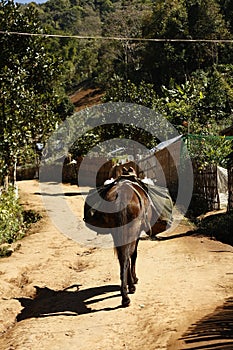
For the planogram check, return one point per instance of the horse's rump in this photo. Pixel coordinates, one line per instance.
(113, 206)
(155, 205)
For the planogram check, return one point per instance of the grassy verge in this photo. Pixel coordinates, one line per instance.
(14, 221)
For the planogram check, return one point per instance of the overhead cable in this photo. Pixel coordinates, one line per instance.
(118, 38)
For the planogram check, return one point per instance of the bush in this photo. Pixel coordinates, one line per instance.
(219, 226)
(14, 221)
(197, 206)
(12, 225)
(30, 217)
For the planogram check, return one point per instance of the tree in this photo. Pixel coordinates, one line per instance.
(206, 98)
(200, 19)
(31, 98)
(125, 21)
(80, 57)
(163, 61)
(124, 91)
(205, 21)
(227, 11)
(201, 108)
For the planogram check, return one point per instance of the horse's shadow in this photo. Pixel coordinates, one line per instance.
(68, 302)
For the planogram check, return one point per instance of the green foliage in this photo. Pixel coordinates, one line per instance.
(14, 221)
(32, 100)
(209, 149)
(156, 63)
(102, 133)
(120, 91)
(126, 21)
(80, 58)
(227, 11)
(11, 218)
(206, 97)
(163, 60)
(184, 20)
(189, 83)
(200, 107)
(90, 59)
(127, 91)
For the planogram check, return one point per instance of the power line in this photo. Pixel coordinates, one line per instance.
(117, 38)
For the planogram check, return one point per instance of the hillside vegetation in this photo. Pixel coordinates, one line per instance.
(188, 82)
(106, 47)
(155, 62)
(185, 81)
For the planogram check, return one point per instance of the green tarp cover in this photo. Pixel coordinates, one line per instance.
(158, 195)
(161, 201)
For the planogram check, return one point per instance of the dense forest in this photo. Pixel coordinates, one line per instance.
(172, 56)
(189, 82)
(155, 62)
(185, 79)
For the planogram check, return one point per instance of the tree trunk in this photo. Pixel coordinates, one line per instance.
(6, 182)
(14, 172)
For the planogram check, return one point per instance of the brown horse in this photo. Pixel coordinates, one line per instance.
(132, 220)
(125, 212)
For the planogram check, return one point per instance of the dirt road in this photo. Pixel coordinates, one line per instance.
(56, 294)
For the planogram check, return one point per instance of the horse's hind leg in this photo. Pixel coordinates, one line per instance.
(131, 285)
(124, 268)
(133, 263)
(124, 279)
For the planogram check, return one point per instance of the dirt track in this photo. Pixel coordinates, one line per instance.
(56, 294)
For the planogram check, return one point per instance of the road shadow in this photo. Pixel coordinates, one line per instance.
(168, 238)
(68, 302)
(61, 194)
(213, 332)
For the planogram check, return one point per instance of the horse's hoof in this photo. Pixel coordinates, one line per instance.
(125, 302)
(132, 290)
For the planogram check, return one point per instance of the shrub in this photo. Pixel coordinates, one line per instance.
(12, 225)
(219, 226)
(14, 221)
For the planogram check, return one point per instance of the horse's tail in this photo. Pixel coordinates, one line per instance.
(145, 222)
(122, 220)
(129, 225)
